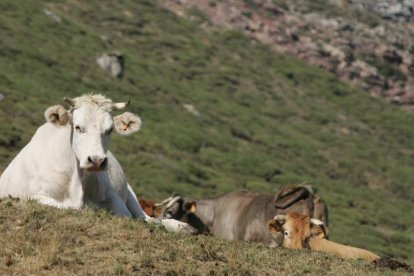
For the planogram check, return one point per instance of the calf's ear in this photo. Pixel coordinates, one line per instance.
(127, 123)
(57, 115)
(191, 207)
(318, 229)
(276, 225)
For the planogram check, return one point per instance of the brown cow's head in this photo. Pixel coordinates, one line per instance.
(294, 230)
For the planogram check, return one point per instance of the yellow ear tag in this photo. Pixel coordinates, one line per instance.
(193, 208)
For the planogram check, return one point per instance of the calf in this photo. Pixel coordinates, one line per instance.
(296, 230)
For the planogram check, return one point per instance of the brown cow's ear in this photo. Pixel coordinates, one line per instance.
(291, 194)
(318, 230)
(127, 123)
(274, 227)
(191, 207)
(57, 115)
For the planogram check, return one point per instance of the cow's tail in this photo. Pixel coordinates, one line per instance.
(134, 207)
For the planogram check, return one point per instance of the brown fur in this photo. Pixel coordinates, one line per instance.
(302, 233)
(149, 208)
(343, 251)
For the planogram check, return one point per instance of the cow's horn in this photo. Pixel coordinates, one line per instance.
(116, 106)
(316, 222)
(172, 201)
(162, 203)
(69, 101)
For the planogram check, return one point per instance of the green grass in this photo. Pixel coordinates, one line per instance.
(266, 120)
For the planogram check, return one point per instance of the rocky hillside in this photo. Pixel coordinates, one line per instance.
(352, 39)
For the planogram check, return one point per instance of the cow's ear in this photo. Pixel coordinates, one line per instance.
(276, 225)
(274, 228)
(318, 229)
(127, 123)
(191, 207)
(57, 115)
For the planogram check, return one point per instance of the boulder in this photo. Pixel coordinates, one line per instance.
(52, 16)
(113, 63)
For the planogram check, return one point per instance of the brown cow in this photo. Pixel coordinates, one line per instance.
(150, 208)
(296, 230)
(243, 215)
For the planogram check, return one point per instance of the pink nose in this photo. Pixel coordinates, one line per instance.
(98, 162)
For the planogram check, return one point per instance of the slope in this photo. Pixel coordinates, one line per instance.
(266, 120)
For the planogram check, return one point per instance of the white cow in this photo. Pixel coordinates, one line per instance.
(67, 162)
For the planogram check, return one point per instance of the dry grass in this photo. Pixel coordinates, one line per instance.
(42, 240)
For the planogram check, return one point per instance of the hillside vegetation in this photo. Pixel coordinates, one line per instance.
(48, 241)
(266, 120)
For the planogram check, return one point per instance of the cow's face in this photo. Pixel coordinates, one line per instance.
(294, 230)
(92, 124)
(175, 207)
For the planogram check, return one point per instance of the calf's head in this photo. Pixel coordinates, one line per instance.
(294, 230)
(90, 117)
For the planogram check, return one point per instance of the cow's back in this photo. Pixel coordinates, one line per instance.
(237, 212)
(38, 161)
(253, 223)
(244, 215)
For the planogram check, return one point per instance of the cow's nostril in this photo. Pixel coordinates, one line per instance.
(90, 160)
(104, 162)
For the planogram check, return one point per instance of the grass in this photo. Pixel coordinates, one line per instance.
(52, 241)
(266, 120)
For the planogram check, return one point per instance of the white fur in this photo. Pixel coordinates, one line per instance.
(53, 167)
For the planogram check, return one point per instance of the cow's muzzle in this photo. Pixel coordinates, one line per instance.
(96, 163)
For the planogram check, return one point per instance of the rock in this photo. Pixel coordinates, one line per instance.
(392, 56)
(329, 23)
(112, 63)
(365, 70)
(190, 108)
(1, 97)
(53, 16)
(333, 51)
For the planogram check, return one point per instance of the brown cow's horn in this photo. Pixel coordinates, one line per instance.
(69, 101)
(172, 201)
(116, 106)
(165, 201)
(316, 222)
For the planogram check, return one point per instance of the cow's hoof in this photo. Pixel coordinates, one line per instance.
(172, 225)
(152, 220)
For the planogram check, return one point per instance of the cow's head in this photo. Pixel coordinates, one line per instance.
(176, 207)
(92, 123)
(294, 230)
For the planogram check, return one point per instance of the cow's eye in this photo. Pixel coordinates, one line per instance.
(286, 234)
(79, 129)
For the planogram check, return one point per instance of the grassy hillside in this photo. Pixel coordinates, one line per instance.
(49, 241)
(265, 121)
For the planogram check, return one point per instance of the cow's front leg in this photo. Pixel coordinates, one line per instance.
(116, 205)
(48, 200)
